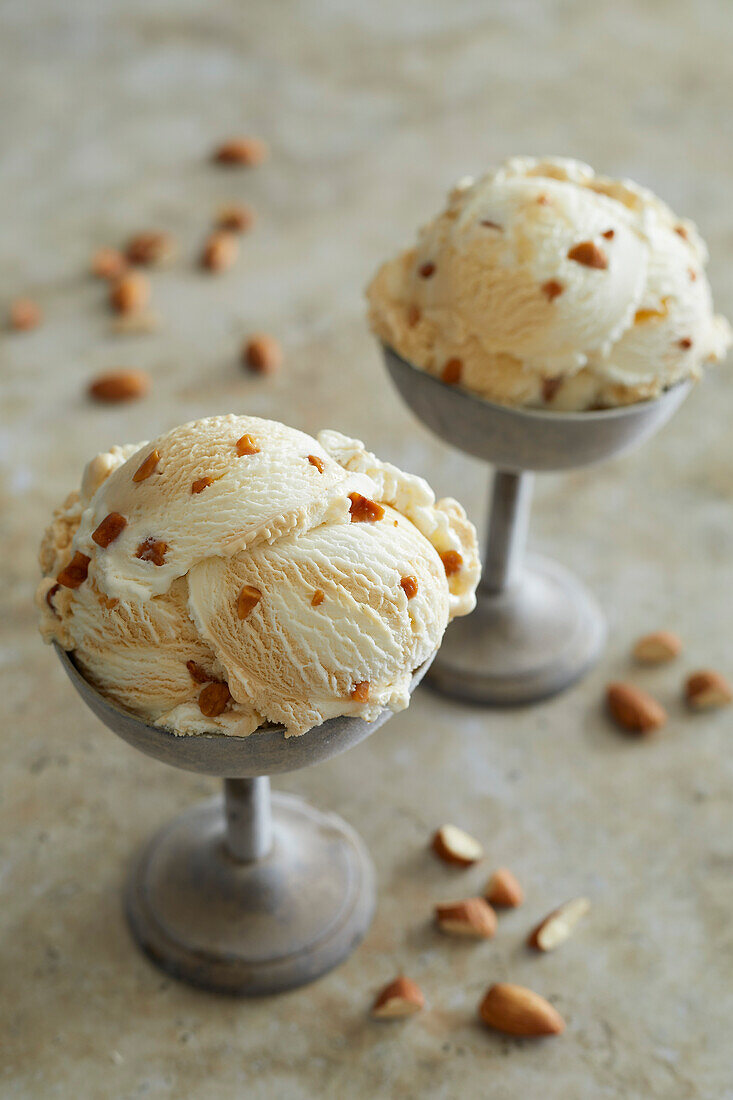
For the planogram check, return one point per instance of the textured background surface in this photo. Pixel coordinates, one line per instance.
(372, 111)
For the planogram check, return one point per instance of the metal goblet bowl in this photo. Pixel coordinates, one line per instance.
(536, 628)
(255, 893)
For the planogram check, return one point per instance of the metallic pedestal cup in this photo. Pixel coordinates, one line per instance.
(536, 628)
(252, 894)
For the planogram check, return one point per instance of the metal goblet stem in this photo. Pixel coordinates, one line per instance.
(248, 814)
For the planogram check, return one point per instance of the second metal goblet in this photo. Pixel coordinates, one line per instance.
(536, 628)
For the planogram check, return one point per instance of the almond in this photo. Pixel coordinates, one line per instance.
(364, 510)
(246, 445)
(409, 586)
(470, 917)
(559, 925)
(75, 572)
(589, 255)
(634, 710)
(130, 293)
(151, 247)
(236, 218)
(153, 550)
(109, 529)
(220, 252)
(108, 263)
(147, 467)
(119, 385)
(452, 562)
(400, 998)
(360, 692)
(262, 353)
(453, 845)
(242, 152)
(200, 484)
(504, 890)
(516, 1010)
(214, 699)
(247, 601)
(319, 464)
(707, 689)
(24, 315)
(654, 649)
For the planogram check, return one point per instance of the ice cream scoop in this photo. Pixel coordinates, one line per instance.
(236, 571)
(545, 285)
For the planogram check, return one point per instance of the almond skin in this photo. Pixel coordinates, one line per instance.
(262, 353)
(656, 648)
(455, 846)
(634, 710)
(707, 689)
(470, 917)
(516, 1010)
(119, 385)
(130, 293)
(559, 925)
(398, 999)
(503, 889)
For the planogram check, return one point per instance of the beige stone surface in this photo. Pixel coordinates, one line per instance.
(372, 110)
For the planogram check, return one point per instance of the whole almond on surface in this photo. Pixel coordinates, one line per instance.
(469, 917)
(150, 247)
(559, 925)
(130, 293)
(262, 353)
(398, 999)
(119, 385)
(707, 689)
(658, 647)
(24, 315)
(453, 845)
(504, 890)
(634, 710)
(108, 263)
(516, 1010)
(220, 252)
(241, 152)
(235, 217)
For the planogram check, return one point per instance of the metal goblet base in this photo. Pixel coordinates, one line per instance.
(251, 928)
(523, 644)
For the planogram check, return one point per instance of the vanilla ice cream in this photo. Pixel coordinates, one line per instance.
(236, 571)
(543, 284)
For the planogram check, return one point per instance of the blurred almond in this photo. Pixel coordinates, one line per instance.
(398, 999)
(503, 889)
(130, 293)
(152, 247)
(656, 648)
(235, 217)
(25, 314)
(559, 925)
(262, 353)
(108, 263)
(469, 917)
(634, 710)
(119, 385)
(220, 252)
(453, 845)
(241, 152)
(707, 689)
(516, 1010)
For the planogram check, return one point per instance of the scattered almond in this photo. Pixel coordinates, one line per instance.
(452, 562)
(707, 689)
(654, 649)
(119, 385)
(130, 293)
(242, 152)
(109, 529)
(214, 699)
(453, 845)
(589, 254)
(235, 218)
(262, 353)
(153, 550)
(364, 510)
(503, 889)
(150, 248)
(559, 925)
(409, 586)
(246, 445)
(108, 263)
(609, 234)
(75, 572)
(516, 1010)
(25, 315)
(398, 999)
(318, 598)
(200, 484)
(247, 601)
(319, 464)
(426, 271)
(469, 917)
(360, 692)
(634, 710)
(220, 252)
